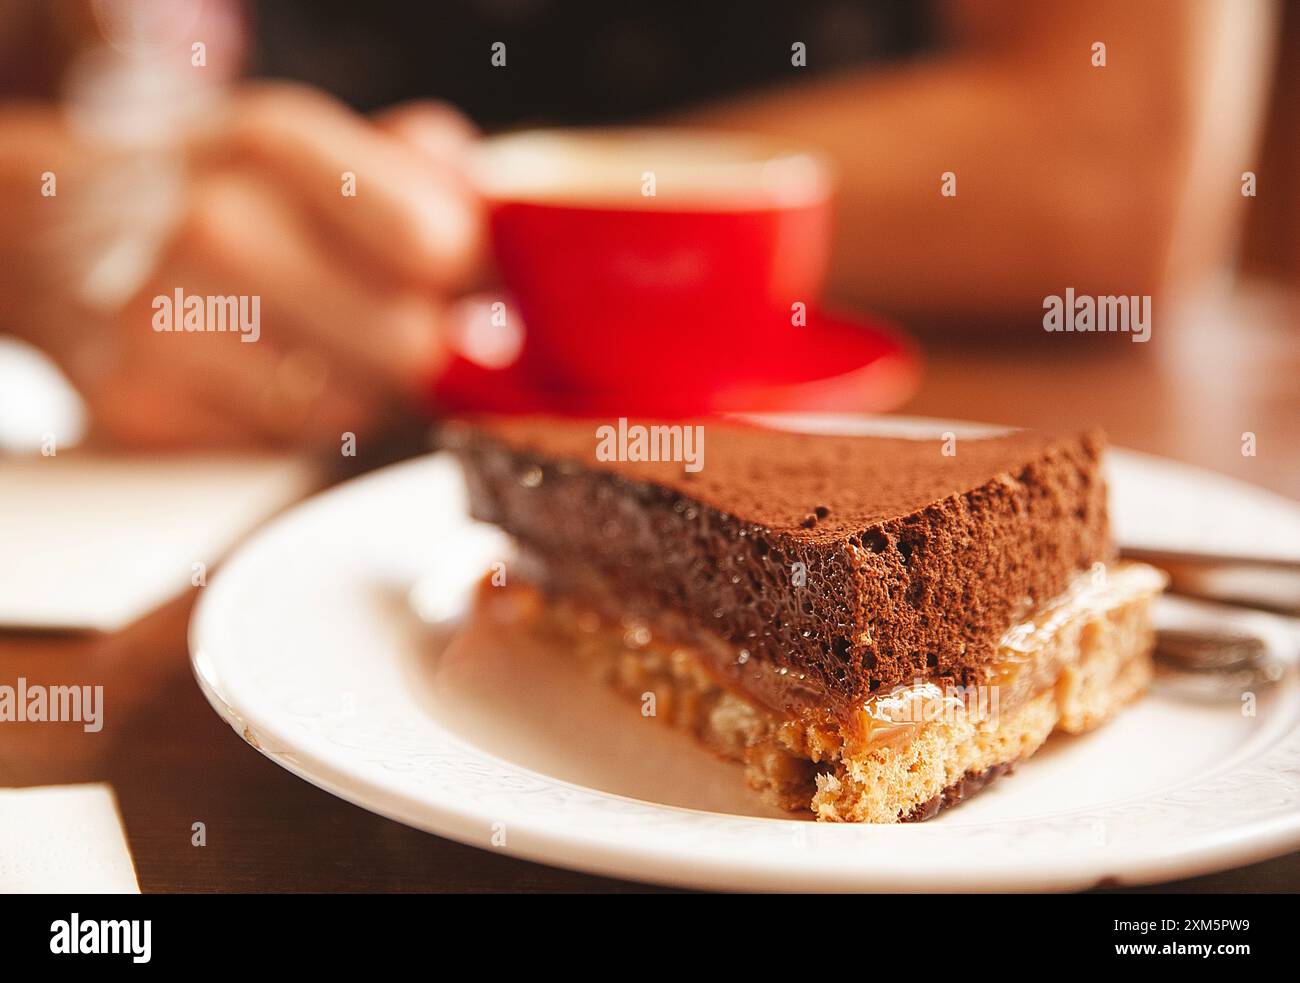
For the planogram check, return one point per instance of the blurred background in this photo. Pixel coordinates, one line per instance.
(148, 146)
(1110, 147)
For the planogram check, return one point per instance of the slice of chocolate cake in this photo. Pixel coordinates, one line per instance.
(875, 626)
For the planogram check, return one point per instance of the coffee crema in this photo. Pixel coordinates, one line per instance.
(648, 169)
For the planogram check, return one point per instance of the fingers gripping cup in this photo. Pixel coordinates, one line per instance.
(650, 260)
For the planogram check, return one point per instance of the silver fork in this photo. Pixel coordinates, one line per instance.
(1222, 650)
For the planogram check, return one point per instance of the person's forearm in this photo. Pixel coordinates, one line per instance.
(1043, 200)
(1066, 174)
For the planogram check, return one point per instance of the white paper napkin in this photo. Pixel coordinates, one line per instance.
(93, 542)
(63, 838)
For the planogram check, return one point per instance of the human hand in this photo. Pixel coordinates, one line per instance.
(352, 291)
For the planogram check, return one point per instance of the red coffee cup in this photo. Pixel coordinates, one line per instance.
(653, 260)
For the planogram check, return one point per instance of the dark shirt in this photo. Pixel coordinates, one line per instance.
(571, 61)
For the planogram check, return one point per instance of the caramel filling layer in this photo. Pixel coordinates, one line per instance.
(1030, 660)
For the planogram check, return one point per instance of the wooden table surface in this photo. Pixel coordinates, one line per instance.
(1189, 394)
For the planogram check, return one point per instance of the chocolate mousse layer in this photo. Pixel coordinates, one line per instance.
(814, 570)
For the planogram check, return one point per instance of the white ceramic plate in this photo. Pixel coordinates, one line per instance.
(308, 644)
